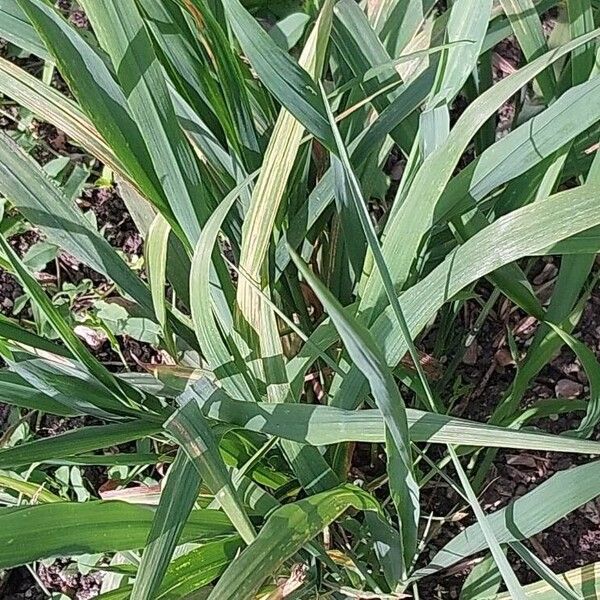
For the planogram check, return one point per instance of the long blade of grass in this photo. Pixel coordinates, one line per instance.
(16, 28)
(35, 491)
(592, 369)
(369, 359)
(521, 233)
(15, 391)
(468, 21)
(583, 580)
(581, 20)
(510, 579)
(75, 345)
(408, 225)
(540, 568)
(526, 516)
(527, 26)
(230, 72)
(483, 582)
(177, 499)
(281, 75)
(62, 380)
(225, 360)
(324, 425)
(352, 186)
(99, 95)
(189, 572)
(30, 189)
(277, 165)
(48, 103)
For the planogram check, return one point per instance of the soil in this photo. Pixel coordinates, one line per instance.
(486, 369)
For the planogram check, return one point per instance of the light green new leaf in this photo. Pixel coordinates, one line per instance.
(155, 248)
(35, 491)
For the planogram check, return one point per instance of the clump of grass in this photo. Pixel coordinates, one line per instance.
(247, 142)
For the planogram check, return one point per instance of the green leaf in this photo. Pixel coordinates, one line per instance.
(541, 569)
(529, 32)
(189, 572)
(236, 113)
(482, 582)
(122, 320)
(227, 362)
(63, 328)
(583, 580)
(78, 441)
(523, 232)
(409, 224)
(16, 28)
(15, 390)
(284, 533)
(508, 575)
(189, 426)
(49, 104)
(106, 526)
(99, 95)
(284, 78)
(30, 490)
(272, 182)
(592, 368)
(42, 202)
(121, 32)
